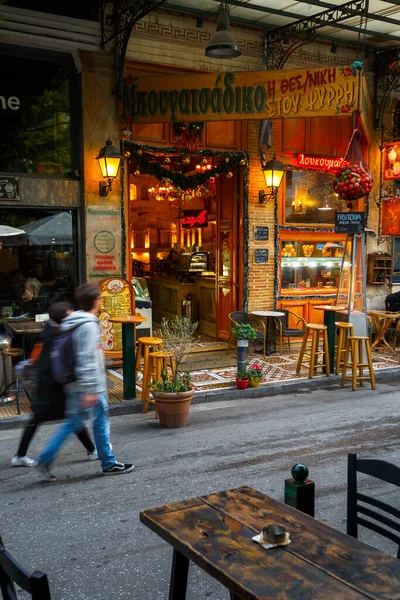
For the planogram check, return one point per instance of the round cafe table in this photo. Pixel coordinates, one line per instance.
(382, 320)
(128, 351)
(329, 320)
(267, 315)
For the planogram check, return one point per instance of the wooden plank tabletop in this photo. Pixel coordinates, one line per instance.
(215, 533)
(30, 327)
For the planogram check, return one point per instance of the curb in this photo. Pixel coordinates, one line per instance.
(303, 386)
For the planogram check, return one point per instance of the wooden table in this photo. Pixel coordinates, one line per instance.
(321, 563)
(128, 352)
(267, 315)
(329, 321)
(382, 320)
(25, 328)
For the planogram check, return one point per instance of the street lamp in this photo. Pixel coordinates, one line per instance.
(273, 172)
(109, 160)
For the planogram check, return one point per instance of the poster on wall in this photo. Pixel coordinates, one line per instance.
(103, 246)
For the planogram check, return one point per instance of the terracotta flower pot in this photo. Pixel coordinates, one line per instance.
(255, 381)
(242, 384)
(173, 408)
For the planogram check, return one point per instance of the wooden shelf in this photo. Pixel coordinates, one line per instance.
(375, 269)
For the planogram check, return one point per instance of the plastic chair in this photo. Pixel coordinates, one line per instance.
(358, 503)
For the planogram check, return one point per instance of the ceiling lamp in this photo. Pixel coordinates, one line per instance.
(222, 43)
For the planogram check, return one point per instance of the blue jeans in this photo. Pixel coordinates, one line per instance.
(75, 417)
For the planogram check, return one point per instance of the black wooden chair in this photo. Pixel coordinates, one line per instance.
(356, 501)
(241, 316)
(12, 573)
(284, 331)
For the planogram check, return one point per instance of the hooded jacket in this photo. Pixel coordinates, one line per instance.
(49, 400)
(89, 358)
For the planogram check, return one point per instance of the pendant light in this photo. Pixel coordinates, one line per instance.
(222, 43)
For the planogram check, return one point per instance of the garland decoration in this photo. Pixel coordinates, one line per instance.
(179, 179)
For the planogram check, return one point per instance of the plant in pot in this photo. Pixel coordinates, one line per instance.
(243, 332)
(255, 375)
(242, 380)
(174, 394)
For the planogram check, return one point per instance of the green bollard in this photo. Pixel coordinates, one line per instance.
(300, 491)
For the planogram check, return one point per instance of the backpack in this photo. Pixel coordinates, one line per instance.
(63, 357)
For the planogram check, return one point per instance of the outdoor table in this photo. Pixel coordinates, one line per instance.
(215, 532)
(267, 315)
(382, 320)
(329, 321)
(24, 329)
(128, 351)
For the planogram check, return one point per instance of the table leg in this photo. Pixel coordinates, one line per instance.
(128, 360)
(329, 321)
(179, 576)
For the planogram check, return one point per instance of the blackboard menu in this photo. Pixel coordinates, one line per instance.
(261, 233)
(349, 222)
(396, 259)
(261, 255)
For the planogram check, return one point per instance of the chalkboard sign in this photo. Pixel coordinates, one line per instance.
(9, 188)
(261, 255)
(349, 222)
(396, 259)
(261, 233)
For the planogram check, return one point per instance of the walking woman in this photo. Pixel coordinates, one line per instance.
(49, 400)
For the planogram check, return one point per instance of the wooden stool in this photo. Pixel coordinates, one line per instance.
(158, 361)
(315, 329)
(144, 344)
(355, 346)
(345, 329)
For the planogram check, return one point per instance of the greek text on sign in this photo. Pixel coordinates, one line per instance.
(241, 95)
(319, 163)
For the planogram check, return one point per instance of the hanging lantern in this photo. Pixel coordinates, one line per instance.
(352, 181)
(391, 216)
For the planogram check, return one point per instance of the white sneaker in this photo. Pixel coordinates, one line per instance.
(23, 461)
(93, 455)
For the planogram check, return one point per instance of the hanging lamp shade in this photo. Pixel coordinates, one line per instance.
(222, 43)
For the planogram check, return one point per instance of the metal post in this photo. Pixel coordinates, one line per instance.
(241, 359)
(300, 491)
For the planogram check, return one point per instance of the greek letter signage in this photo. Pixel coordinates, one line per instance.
(350, 222)
(241, 95)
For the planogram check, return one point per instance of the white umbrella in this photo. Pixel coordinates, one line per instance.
(5, 230)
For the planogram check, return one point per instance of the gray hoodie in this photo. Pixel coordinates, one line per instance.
(89, 359)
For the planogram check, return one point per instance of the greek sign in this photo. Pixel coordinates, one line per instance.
(103, 255)
(350, 222)
(9, 188)
(319, 163)
(241, 95)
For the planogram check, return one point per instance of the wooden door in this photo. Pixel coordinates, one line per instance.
(227, 252)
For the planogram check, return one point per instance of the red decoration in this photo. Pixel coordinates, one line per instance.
(194, 218)
(352, 181)
(391, 216)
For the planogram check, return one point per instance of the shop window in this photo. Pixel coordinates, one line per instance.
(35, 122)
(309, 198)
(40, 266)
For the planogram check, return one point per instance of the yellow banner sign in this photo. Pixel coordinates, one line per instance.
(241, 95)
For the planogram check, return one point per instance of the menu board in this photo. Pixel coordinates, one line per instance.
(261, 233)
(116, 301)
(261, 255)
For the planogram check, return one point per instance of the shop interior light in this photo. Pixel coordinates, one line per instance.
(273, 172)
(222, 43)
(109, 160)
(325, 205)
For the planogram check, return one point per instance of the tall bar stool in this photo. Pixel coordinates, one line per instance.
(12, 376)
(316, 331)
(345, 329)
(144, 344)
(355, 347)
(158, 361)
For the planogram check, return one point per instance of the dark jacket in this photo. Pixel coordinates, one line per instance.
(49, 400)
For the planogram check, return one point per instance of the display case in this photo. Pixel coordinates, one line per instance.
(193, 263)
(310, 266)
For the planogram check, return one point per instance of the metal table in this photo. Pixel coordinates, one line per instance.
(267, 315)
(128, 352)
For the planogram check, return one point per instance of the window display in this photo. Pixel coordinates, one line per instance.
(310, 265)
(310, 199)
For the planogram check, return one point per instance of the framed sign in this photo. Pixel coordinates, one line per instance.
(349, 222)
(194, 219)
(261, 233)
(117, 300)
(9, 188)
(261, 255)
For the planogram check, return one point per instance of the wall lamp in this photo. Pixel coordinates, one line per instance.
(109, 160)
(273, 172)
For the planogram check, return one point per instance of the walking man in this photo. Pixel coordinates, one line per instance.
(87, 395)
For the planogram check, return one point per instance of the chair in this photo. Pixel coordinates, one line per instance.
(11, 572)
(241, 316)
(380, 469)
(283, 329)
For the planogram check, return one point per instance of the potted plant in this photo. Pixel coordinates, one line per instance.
(242, 380)
(243, 332)
(174, 394)
(255, 375)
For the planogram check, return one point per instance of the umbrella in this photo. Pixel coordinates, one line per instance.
(53, 230)
(5, 231)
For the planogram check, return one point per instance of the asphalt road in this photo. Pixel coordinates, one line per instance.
(84, 529)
